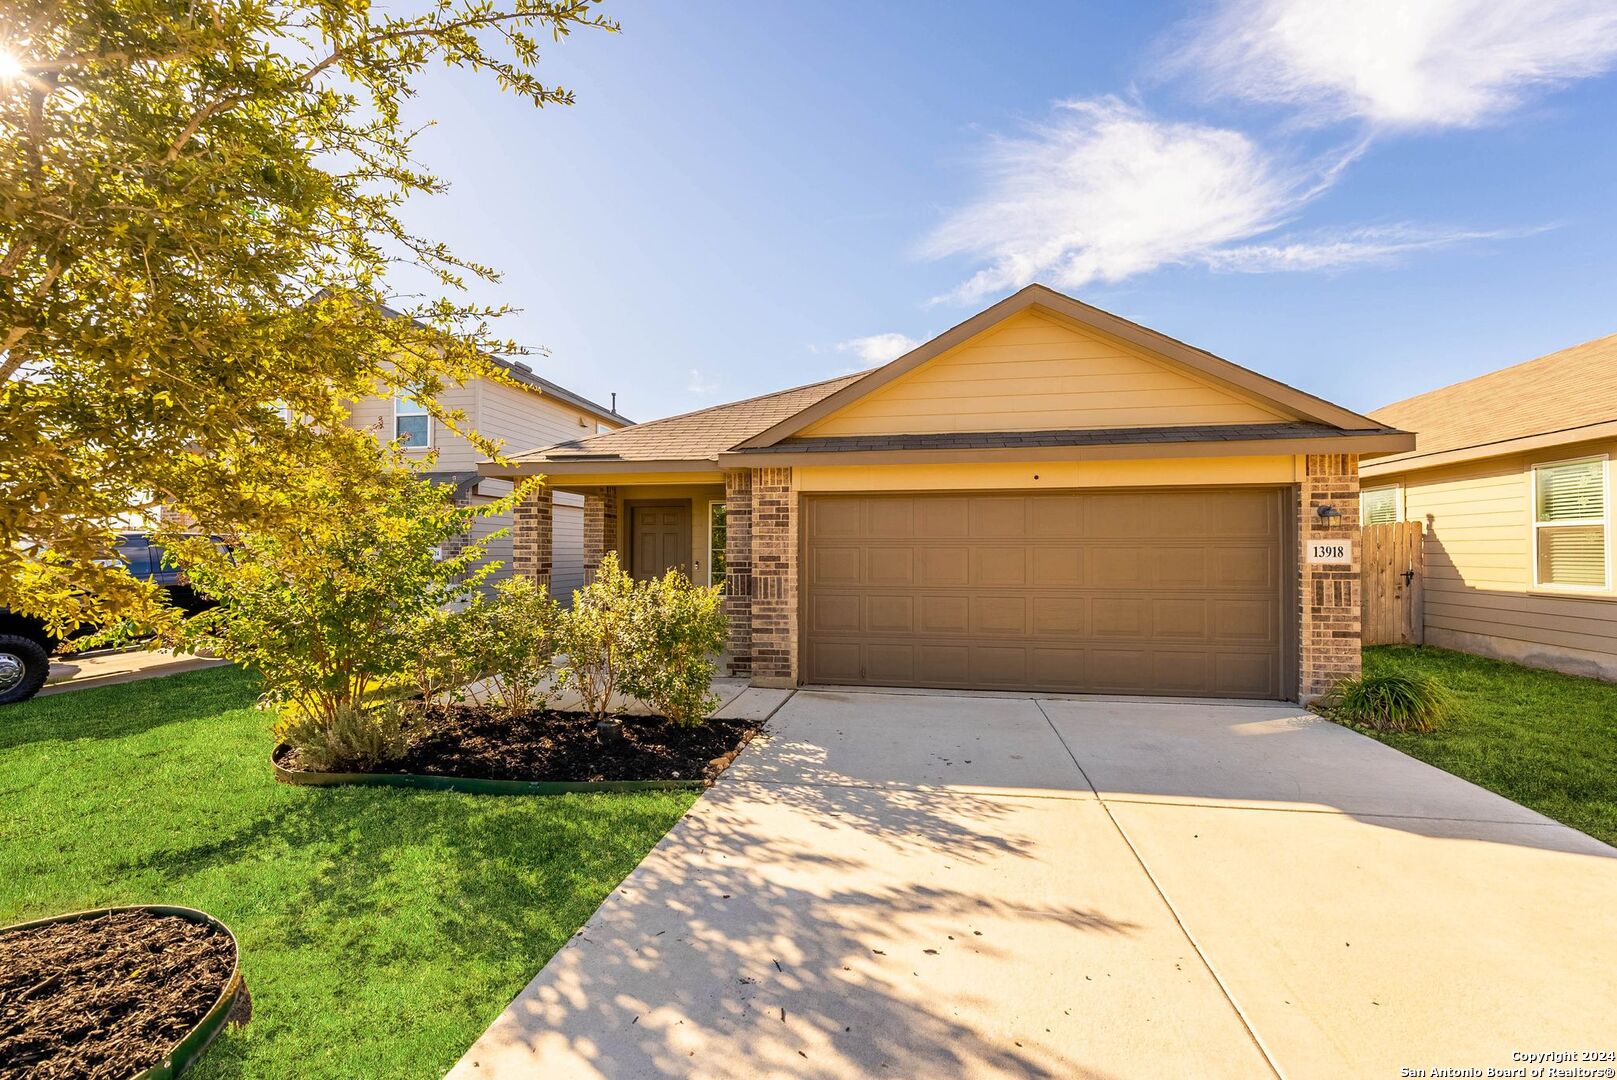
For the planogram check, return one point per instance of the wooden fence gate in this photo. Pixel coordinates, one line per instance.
(1391, 572)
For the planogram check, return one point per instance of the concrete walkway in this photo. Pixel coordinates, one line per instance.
(924, 885)
(114, 668)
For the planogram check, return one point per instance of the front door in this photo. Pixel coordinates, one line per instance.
(660, 538)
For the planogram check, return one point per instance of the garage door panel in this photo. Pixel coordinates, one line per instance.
(943, 517)
(993, 517)
(1060, 616)
(1136, 592)
(1058, 567)
(1055, 517)
(1001, 616)
(945, 566)
(1182, 672)
(890, 614)
(1117, 567)
(1246, 620)
(941, 665)
(835, 565)
(829, 518)
(994, 567)
(890, 519)
(944, 614)
(890, 566)
(1180, 618)
(1120, 616)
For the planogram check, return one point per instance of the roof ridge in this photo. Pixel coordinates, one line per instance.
(1450, 387)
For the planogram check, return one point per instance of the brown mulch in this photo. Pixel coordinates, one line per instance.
(467, 741)
(108, 997)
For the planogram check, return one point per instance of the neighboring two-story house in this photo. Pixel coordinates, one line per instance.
(535, 412)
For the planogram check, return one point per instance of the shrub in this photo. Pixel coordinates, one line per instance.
(348, 604)
(597, 635)
(1389, 702)
(349, 738)
(678, 628)
(512, 640)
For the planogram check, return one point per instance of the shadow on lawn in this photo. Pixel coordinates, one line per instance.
(124, 709)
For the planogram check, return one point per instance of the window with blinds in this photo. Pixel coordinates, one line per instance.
(1569, 523)
(1378, 506)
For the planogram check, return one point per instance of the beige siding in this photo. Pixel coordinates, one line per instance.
(1035, 373)
(521, 420)
(1480, 594)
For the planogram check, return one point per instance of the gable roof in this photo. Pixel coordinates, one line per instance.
(1560, 398)
(760, 430)
(692, 436)
(1289, 399)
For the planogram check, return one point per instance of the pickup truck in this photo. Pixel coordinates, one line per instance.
(25, 647)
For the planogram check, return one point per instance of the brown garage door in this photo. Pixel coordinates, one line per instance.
(1133, 592)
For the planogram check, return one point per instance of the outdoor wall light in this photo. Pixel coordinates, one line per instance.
(1326, 514)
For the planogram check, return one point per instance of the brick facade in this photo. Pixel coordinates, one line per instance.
(1328, 596)
(532, 538)
(600, 528)
(774, 578)
(738, 570)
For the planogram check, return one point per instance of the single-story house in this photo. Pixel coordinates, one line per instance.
(1512, 482)
(527, 411)
(1045, 497)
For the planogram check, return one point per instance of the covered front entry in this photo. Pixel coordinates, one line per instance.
(1173, 592)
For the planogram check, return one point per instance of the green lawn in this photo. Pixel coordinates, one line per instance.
(1546, 740)
(381, 930)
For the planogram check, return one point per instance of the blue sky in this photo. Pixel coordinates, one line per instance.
(1362, 203)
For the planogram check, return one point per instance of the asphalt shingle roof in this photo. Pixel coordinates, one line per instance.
(1569, 389)
(694, 436)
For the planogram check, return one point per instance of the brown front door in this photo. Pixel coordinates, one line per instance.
(660, 539)
(1128, 592)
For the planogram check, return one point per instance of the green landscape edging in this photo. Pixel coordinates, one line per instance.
(188, 1049)
(470, 784)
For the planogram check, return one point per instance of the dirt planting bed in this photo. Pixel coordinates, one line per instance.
(474, 743)
(106, 997)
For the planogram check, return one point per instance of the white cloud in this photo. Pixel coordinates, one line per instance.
(1340, 250)
(1105, 191)
(1399, 63)
(700, 384)
(878, 348)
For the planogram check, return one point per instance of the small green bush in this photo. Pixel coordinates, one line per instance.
(1389, 702)
(597, 636)
(348, 738)
(678, 628)
(512, 639)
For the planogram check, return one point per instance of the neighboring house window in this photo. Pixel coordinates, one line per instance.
(602, 429)
(411, 424)
(1569, 524)
(717, 536)
(1379, 506)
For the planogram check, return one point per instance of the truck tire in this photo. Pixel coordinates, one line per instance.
(24, 663)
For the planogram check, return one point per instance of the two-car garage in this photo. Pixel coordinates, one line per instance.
(1173, 592)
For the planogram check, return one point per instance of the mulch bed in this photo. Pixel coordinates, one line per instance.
(107, 997)
(466, 741)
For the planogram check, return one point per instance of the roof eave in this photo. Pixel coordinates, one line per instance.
(1402, 462)
(592, 466)
(1382, 442)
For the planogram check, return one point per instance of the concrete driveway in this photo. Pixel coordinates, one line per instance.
(925, 885)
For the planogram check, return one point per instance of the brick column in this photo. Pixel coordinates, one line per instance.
(532, 538)
(1328, 596)
(774, 578)
(738, 569)
(600, 528)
